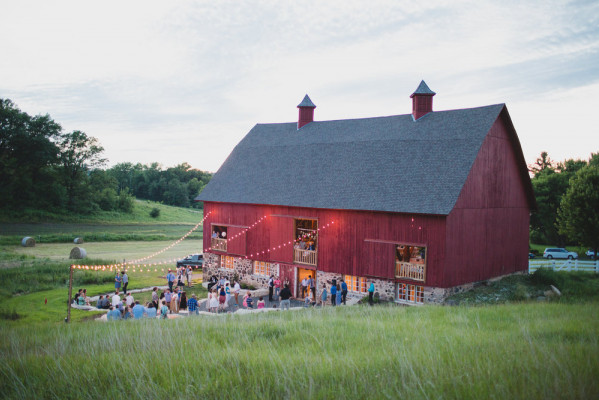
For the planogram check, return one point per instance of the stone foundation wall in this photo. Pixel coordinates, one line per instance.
(243, 270)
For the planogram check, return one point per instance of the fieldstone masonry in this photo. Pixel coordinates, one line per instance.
(243, 270)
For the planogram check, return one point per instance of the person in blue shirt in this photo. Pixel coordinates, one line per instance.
(371, 293)
(164, 310)
(192, 305)
(323, 295)
(113, 314)
(138, 310)
(343, 291)
(150, 310)
(117, 281)
(170, 277)
(334, 293)
(125, 279)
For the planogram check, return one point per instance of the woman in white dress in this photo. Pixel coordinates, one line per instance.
(213, 301)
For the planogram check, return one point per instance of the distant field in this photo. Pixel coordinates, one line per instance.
(111, 251)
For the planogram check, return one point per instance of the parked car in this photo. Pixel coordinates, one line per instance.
(558, 252)
(591, 254)
(195, 260)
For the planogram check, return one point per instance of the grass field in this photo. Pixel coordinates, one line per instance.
(518, 351)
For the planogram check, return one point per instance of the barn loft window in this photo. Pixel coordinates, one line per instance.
(406, 293)
(265, 269)
(218, 239)
(410, 262)
(306, 241)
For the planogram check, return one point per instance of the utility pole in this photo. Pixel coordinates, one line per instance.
(68, 319)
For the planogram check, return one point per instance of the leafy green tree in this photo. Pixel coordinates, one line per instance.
(543, 163)
(578, 215)
(79, 154)
(125, 201)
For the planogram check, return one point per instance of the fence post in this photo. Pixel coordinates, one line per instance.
(596, 266)
(68, 319)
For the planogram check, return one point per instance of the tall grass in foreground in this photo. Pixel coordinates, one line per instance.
(518, 351)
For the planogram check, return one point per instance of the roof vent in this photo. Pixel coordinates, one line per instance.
(306, 112)
(422, 101)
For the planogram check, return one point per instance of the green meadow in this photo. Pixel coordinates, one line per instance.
(510, 347)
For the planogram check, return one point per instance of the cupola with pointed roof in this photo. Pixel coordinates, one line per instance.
(422, 100)
(306, 112)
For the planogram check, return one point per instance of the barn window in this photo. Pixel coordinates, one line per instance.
(227, 262)
(218, 238)
(406, 293)
(410, 262)
(265, 269)
(355, 283)
(305, 246)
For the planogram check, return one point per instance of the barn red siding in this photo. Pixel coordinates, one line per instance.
(359, 243)
(487, 231)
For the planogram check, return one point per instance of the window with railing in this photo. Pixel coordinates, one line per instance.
(355, 283)
(410, 262)
(218, 238)
(265, 269)
(305, 246)
(227, 262)
(406, 293)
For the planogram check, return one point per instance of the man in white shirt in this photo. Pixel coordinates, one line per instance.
(129, 299)
(116, 299)
(236, 290)
(304, 287)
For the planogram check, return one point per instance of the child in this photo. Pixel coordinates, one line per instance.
(249, 300)
(261, 303)
(307, 300)
(323, 295)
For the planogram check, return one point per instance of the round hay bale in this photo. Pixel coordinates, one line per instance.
(78, 240)
(28, 242)
(78, 253)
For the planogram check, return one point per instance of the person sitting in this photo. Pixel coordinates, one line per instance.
(113, 314)
(138, 310)
(130, 300)
(261, 303)
(101, 302)
(249, 300)
(214, 235)
(150, 310)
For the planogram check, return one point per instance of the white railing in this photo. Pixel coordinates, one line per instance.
(218, 244)
(564, 265)
(304, 256)
(410, 270)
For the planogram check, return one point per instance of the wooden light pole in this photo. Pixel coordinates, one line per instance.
(68, 319)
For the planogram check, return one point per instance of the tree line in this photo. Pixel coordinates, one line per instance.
(44, 168)
(567, 195)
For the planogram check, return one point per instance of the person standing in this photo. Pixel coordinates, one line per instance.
(338, 298)
(117, 282)
(277, 283)
(304, 287)
(125, 279)
(334, 294)
(343, 291)
(271, 287)
(313, 287)
(323, 295)
(180, 278)
(192, 305)
(168, 296)
(170, 277)
(236, 291)
(285, 296)
(155, 297)
(371, 293)
(189, 275)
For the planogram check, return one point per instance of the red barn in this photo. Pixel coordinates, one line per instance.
(421, 204)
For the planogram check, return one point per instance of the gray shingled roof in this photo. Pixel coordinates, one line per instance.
(382, 164)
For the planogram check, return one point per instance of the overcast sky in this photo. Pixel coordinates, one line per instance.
(169, 82)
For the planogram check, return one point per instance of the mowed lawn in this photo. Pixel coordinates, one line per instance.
(514, 351)
(113, 251)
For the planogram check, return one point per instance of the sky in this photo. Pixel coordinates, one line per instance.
(184, 81)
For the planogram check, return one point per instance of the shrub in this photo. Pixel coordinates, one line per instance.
(547, 276)
(155, 213)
